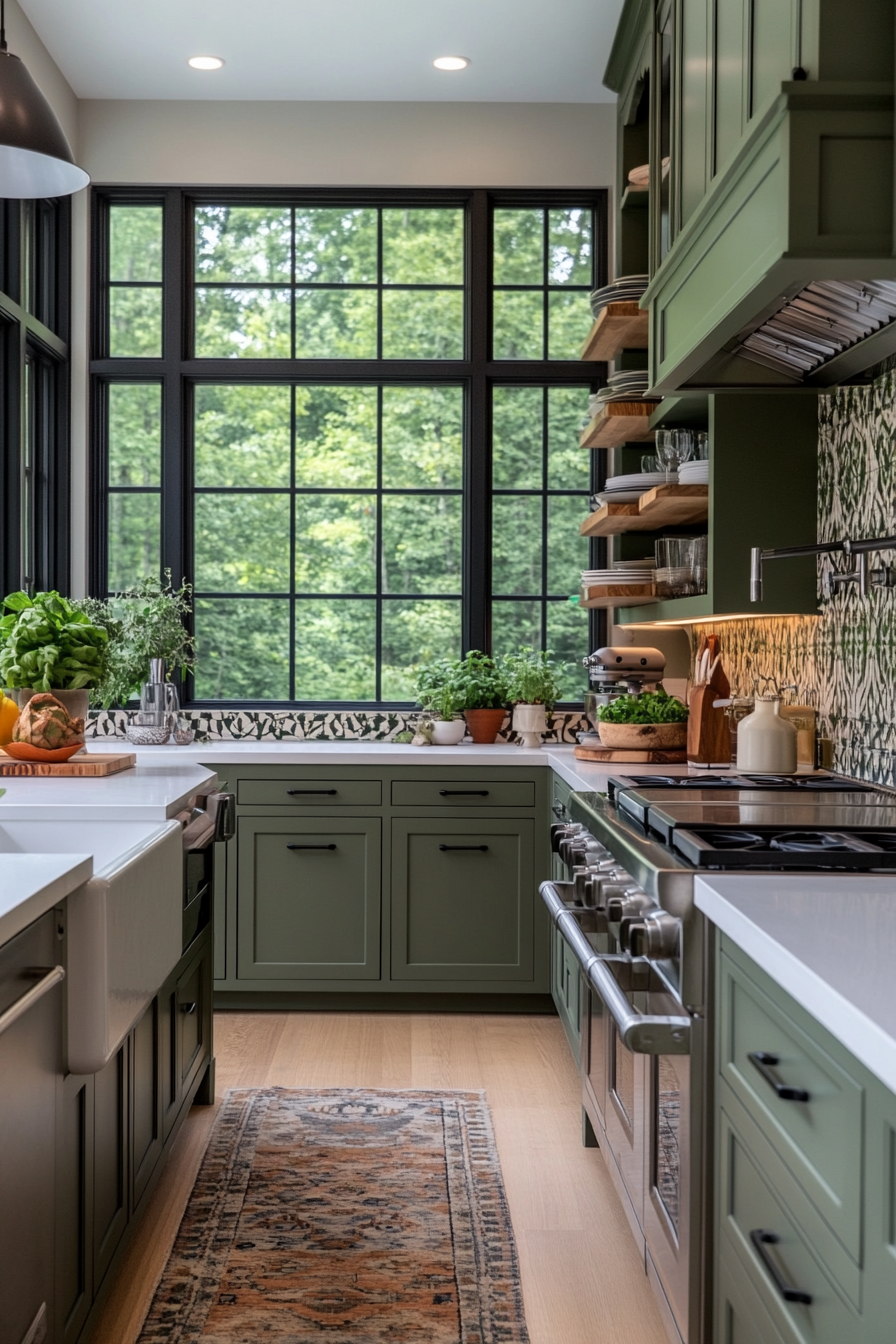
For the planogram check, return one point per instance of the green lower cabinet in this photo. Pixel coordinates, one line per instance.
(880, 1244)
(566, 990)
(309, 898)
(741, 1317)
(146, 1100)
(463, 894)
(74, 1205)
(110, 1160)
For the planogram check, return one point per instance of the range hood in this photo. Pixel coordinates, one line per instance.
(819, 323)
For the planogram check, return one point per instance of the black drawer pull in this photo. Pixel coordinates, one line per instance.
(763, 1063)
(482, 848)
(331, 793)
(188, 1008)
(310, 846)
(761, 1239)
(463, 793)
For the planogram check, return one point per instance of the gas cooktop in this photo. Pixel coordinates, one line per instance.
(808, 783)
(833, 811)
(778, 847)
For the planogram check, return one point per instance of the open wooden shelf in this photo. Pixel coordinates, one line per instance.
(605, 595)
(621, 326)
(663, 506)
(635, 198)
(619, 422)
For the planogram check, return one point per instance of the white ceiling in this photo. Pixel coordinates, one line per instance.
(332, 50)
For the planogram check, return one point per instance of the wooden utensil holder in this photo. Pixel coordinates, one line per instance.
(709, 742)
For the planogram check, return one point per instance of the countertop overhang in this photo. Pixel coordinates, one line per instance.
(154, 790)
(31, 884)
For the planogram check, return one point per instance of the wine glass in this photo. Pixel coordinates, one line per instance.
(674, 446)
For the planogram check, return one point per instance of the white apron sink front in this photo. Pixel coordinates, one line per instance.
(125, 925)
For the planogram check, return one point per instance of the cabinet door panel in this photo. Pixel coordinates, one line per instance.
(309, 898)
(146, 1099)
(728, 78)
(771, 39)
(74, 1205)
(462, 900)
(110, 1210)
(193, 1018)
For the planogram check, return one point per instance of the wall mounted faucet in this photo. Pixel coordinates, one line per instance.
(861, 574)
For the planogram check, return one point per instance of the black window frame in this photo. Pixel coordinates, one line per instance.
(35, 379)
(179, 373)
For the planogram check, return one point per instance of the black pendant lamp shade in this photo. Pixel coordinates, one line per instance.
(35, 158)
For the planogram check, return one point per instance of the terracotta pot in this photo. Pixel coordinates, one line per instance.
(641, 736)
(484, 724)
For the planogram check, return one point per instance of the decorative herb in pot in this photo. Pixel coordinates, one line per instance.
(533, 687)
(438, 693)
(482, 688)
(652, 720)
(49, 644)
(143, 623)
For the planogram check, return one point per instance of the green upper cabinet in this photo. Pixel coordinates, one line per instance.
(771, 151)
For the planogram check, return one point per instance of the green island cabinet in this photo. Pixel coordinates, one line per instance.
(113, 1129)
(768, 127)
(568, 988)
(805, 1244)
(388, 884)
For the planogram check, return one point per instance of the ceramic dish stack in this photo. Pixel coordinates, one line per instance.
(627, 289)
(628, 489)
(592, 578)
(693, 473)
(626, 566)
(627, 385)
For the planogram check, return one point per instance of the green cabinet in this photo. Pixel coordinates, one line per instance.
(461, 900)
(110, 1160)
(805, 1174)
(567, 990)
(147, 1128)
(309, 898)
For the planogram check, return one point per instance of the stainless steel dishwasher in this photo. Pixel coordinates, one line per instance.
(30, 1063)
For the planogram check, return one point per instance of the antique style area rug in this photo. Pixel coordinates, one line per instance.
(354, 1216)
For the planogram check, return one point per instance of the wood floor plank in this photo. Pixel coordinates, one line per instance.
(583, 1279)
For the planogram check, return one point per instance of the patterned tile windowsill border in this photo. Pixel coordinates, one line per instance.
(260, 725)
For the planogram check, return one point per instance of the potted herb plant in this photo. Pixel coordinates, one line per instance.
(533, 688)
(48, 644)
(480, 681)
(145, 624)
(439, 694)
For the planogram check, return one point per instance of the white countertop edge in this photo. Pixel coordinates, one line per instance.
(144, 793)
(32, 884)
(858, 1033)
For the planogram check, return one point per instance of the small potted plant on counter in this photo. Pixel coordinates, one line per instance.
(480, 682)
(654, 720)
(49, 645)
(439, 694)
(145, 626)
(533, 687)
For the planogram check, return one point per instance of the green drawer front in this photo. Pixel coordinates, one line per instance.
(560, 792)
(741, 1317)
(310, 792)
(566, 991)
(462, 793)
(819, 1140)
(748, 1206)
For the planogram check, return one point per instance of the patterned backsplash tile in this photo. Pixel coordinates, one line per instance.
(844, 659)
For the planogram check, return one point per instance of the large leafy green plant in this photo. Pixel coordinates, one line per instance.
(448, 686)
(49, 643)
(143, 622)
(649, 707)
(533, 678)
(437, 690)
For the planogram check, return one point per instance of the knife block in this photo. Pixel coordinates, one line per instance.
(709, 742)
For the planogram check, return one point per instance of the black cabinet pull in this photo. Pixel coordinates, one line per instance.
(310, 846)
(188, 1007)
(763, 1063)
(761, 1239)
(463, 793)
(482, 848)
(331, 793)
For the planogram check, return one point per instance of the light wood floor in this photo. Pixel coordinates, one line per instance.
(583, 1282)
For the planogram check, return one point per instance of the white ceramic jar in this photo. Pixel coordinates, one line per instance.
(766, 743)
(448, 732)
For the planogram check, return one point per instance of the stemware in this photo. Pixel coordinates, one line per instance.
(674, 446)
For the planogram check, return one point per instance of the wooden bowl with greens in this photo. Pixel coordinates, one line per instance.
(653, 721)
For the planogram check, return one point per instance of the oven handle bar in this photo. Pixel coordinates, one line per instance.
(550, 894)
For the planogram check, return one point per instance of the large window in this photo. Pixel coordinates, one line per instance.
(34, 422)
(352, 424)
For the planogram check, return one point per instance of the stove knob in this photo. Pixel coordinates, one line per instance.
(629, 903)
(560, 831)
(573, 850)
(656, 937)
(587, 883)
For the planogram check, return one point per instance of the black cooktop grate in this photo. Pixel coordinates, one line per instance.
(774, 847)
(800, 783)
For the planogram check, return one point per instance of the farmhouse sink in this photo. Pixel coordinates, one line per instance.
(125, 924)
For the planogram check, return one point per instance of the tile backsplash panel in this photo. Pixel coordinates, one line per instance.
(844, 659)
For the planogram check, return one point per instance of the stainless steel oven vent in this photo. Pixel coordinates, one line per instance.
(820, 322)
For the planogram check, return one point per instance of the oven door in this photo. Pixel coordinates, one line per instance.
(669, 1178)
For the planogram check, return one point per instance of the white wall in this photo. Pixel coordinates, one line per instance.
(349, 144)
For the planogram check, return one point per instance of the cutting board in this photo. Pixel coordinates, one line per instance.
(630, 757)
(87, 766)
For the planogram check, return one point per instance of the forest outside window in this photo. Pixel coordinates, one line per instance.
(352, 424)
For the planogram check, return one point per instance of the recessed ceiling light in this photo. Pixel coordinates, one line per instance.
(205, 62)
(451, 62)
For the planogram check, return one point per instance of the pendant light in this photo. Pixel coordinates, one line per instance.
(36, 160)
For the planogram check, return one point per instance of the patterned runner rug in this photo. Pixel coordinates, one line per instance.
(361, 1217)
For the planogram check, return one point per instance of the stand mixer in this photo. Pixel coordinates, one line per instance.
(619, 671)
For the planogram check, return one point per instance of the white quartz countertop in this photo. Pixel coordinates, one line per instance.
(829, 941)
(152, 791)
(31, 884)
(580, 775)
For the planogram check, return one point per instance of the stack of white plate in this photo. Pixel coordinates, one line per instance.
(647, 563)
(627, 289)
(592, 578)
(694, 473)
(627, 385)
(629, 489)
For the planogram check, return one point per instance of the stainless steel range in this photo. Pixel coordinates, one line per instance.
(628, 915)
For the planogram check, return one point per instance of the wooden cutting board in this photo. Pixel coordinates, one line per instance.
(653, 757)
(92, 765)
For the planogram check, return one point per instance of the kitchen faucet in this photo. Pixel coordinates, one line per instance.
(861, 573)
